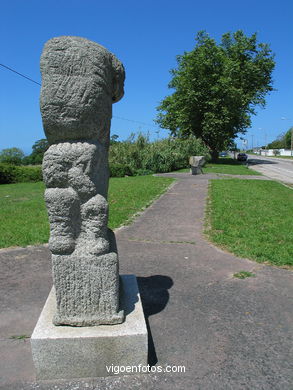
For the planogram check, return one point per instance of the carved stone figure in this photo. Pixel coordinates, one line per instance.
(80, 81)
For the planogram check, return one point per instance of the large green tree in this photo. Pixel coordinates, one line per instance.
(216, 89)
(12, 156)
(38, 150)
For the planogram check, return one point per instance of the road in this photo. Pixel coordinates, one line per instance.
(277, 169)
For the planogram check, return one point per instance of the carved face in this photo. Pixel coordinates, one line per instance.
(80, 81)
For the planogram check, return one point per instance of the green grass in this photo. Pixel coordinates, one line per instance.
(23, 215)
(19, 337)
(128, 195)
(226, 166)
(243, 274)
(286, 157)
(252, 218)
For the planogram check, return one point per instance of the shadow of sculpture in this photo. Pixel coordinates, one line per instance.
(127, 298)
(154, 297)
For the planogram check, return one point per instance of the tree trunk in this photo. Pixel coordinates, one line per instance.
(214, 155)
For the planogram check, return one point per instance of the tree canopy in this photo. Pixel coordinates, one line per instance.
(12, 156)
(38, 150)
(216, 89)
(283, 141)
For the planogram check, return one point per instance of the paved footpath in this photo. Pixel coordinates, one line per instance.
(228, 333)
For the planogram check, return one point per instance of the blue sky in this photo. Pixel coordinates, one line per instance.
(146, 36)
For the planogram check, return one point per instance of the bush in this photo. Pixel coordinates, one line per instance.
(30, 174)
(8, 173)
(120, 170)
(142, 172)
(166, 155)
(15, 174)
(276, 152)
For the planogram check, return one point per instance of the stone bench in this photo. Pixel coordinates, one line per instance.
(196, 163)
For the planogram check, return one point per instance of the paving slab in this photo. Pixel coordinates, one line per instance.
(228, 333)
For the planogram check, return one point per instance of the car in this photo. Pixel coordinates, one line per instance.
(242, 157)
(223, 154)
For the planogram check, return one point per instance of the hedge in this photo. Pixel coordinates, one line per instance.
(19, 174)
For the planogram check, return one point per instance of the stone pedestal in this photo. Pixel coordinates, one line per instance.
(66, 352)
(195, 170)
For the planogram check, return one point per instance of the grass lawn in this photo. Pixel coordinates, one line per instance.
(252, 218)
(23, 216)
(226, 166)
(128, 195)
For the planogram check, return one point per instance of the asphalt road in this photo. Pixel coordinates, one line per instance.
(277, 169)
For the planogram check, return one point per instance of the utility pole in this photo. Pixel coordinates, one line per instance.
(291, 141)
(284, 119)
(252, 142)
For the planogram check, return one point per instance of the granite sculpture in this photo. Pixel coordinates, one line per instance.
(80, 82)
(196, 163)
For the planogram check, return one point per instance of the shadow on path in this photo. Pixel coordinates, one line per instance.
(154, 297)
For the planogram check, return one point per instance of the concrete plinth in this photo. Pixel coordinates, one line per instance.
(65, 352)
(195, 170)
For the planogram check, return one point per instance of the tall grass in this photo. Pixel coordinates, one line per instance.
(165, 155)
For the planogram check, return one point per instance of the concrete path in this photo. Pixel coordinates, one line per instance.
(228, 333)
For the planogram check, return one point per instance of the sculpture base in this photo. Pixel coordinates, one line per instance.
(196, 170)
(65, 352)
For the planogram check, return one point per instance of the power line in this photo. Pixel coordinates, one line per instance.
(20, 74)
(131, 120)
(116, 117)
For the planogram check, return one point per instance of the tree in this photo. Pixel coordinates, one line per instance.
(114, 139)
(38, 150)
(278, 143)
(283, 141)
(216, 89)
(12, 156)
(288, 138)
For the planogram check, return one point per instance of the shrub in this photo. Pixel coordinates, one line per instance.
(15, 174)
(30, 173)
(8, 173)
(120, 170)
(276, 152)
(142, 172)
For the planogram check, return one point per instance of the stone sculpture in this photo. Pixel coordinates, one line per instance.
(80, 81)
(196, 163)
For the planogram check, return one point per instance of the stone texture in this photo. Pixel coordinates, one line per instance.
(70, 352)
(196, 163)
(80, 81)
